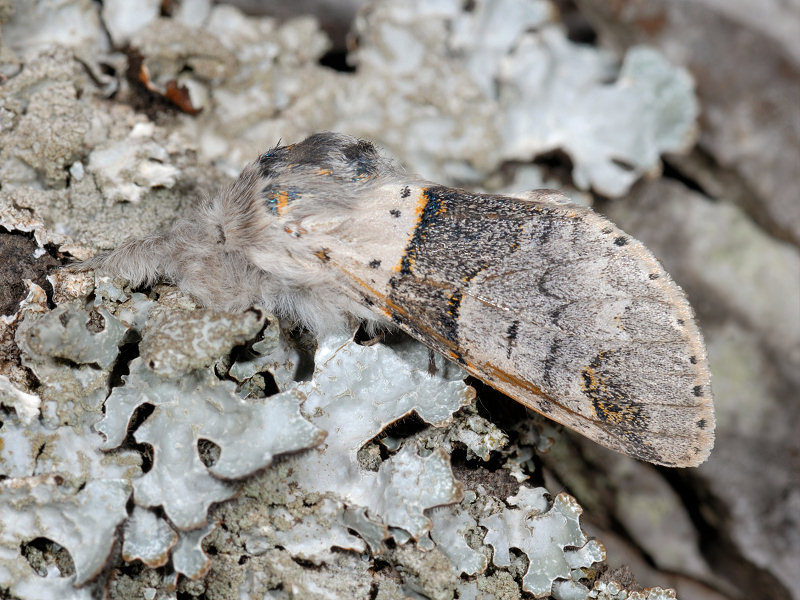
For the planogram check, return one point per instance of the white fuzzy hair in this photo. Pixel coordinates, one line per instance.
(211, 254)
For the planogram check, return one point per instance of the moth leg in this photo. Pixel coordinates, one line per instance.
(432, 368)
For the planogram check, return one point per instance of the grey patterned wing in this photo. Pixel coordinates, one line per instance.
(553, 305)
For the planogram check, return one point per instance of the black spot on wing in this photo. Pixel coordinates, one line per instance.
(511, 337)
(395, 213)
(621, 240)
(374, 263)
(555, 314)
(406, 192)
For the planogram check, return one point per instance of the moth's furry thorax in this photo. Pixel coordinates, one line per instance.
(234, 252)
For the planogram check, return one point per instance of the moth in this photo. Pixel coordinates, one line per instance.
(541, 298)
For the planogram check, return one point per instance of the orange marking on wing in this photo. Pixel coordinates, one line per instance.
(506, 377)
(362, 283)
(422, 201)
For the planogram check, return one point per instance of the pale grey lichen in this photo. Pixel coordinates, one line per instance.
(371, 532)
(526, 91)
(63, 333)
(450, 526)
(612, 590)
(275, 575)
(68, 286)
(170, 47)
(567, 589)
(122, 18)
(271, 353)
(73, 23)
(50, 126)
(543, 533)
(72, 453)
(126, 169)
(148, 538)
(312, 537)
(83, 522)
(479, 436)
(193, 407)
(408, 484)
(34, 303)
(107, 288)
(176, 341)
(357, 391)
(568, 83)
(188, 557)
(60, 487)
(134, 309)
(25, 405)
(71, 362)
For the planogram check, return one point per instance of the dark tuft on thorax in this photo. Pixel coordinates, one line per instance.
(326, 154)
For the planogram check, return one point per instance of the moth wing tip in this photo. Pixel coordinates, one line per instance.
(697, 449)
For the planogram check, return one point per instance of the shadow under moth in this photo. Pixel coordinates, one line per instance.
(541, 298)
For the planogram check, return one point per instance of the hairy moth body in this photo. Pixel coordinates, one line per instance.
(540, 298)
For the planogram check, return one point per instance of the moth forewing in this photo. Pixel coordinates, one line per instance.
(554, 306)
